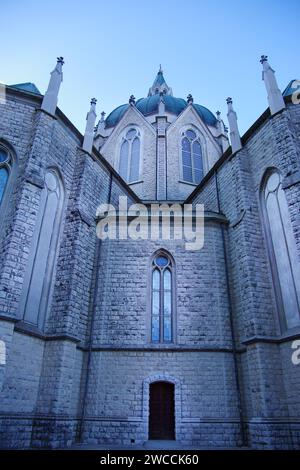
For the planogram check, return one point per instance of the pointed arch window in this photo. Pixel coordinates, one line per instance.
(192, 161)
(162, 304)
(37, 281)
(5, 171)
(129, 165)
(282, 249)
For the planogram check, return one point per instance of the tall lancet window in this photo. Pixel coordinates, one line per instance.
(5, 171)
(192, 161)
(282, 248)
(43, 252)
(129, 165)
(162, 304)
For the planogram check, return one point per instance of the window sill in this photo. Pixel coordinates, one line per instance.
(189, 183)
(135, 182)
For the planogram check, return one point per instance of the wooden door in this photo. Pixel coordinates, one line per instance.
(161, 411)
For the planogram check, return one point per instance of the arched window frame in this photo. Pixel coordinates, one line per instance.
(172, 268)
(11, 165)
(270, 247)
(124, 139)
(48, 279)
(200, 139)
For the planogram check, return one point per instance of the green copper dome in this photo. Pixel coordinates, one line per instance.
(149, 105)
(293, 87)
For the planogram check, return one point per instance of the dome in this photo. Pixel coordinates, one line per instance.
(115, 116)
(149, 105)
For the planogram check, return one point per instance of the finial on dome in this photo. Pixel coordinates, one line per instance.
(132, 100)
(160, 69)
(190, 99)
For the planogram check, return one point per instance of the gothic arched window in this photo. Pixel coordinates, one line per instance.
(192, 161)
(162, 308)
(43, 251)
(5, 171)
(129, 166)
(282, 249)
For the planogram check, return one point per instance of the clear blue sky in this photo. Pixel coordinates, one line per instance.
(113, 48)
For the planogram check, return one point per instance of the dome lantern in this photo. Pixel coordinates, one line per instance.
(160, 85)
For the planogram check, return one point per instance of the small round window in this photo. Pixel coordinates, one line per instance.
(161, 261)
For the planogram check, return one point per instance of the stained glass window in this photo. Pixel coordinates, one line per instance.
(37, 279)
(192, 164)
(162, 304)
(3, 181)
(283, 252)
(5, 168)
(129, 165)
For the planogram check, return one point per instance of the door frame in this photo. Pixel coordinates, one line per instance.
(177, 402)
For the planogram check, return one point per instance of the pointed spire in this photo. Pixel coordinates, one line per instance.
(160, 85)
(223, 138)
(50, 99)
(220, 122)
(234, 130)
(89, 129)
(101, 125)
(275, 98)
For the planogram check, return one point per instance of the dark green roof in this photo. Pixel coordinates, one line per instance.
(293, 86)
(29, 87)
(206, 115)
(149, 105)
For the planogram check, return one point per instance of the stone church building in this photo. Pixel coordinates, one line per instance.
(121, 341)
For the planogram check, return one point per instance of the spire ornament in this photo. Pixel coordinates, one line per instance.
(234, 130)
(190, 99)
(275, 98)
(132, 100)
(50, 99)
(223, 137)
(90, 126)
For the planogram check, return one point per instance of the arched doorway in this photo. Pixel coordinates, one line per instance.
(162, 411)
